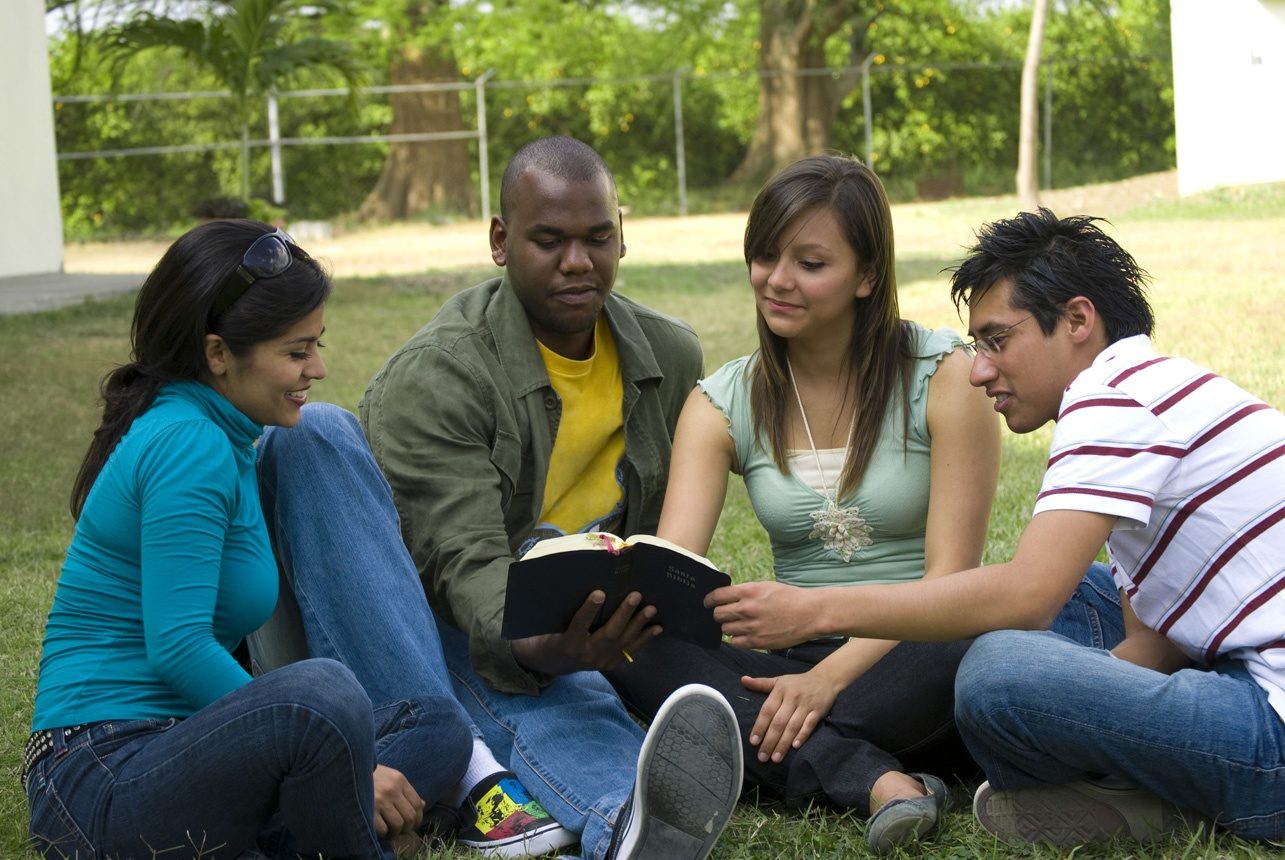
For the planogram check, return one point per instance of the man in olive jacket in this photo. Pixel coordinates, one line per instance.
(535, 404)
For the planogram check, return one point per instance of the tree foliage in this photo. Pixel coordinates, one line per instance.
(249, 47)
(944, 78)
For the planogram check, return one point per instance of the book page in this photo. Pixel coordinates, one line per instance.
(581, 540)
(664, 544)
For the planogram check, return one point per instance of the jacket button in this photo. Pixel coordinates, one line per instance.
(550, 402)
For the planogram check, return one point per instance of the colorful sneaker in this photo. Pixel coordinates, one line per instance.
(1076, 813)
(500, 819)
(688, 782)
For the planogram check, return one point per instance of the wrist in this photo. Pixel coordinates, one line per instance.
(822, 620)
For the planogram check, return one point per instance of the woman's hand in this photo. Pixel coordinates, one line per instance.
(795, 706)
(398, 807)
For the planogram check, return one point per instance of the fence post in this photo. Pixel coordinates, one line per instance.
(274, 135)
(867, 111)
(1048, 125)
(680, 149)
(483, 167)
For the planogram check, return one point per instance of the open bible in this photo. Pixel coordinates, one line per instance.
(548, 584)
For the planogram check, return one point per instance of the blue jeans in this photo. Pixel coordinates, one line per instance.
(1092, 616)
(1036, 708)
(337, 539)
(574, 746)
(294, 747)
(360, 597)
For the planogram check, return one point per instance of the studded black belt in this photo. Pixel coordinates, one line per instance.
(40, 744)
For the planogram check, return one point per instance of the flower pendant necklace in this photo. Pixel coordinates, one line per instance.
(843, 531)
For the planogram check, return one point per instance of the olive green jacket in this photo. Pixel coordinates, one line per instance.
(462, 420)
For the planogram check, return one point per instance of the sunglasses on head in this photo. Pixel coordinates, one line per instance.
(268, 256)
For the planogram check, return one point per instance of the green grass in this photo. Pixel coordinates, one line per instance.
(1239, 202)
(1216, 262)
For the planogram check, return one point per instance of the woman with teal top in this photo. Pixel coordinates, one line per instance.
(868, 458)
(149, 738)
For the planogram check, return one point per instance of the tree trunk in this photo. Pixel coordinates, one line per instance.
(1028, 132)
(796, 111)
(421, 175)
(245, 157)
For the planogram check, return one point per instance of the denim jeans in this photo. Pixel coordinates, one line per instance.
(361, 601)
(337, 540)
(294, 747)
(1036, 708)
(574, 746)
(1092, 616)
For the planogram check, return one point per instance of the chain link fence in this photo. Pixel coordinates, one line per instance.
(931, 130)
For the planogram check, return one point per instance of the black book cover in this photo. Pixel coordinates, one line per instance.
(545, 592)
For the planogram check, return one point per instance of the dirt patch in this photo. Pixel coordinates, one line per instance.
(1113, 198)
(403, 249)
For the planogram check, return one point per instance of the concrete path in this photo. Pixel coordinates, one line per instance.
(25, 294)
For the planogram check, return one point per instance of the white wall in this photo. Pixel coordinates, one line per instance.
(30, 220)
(1229, 92)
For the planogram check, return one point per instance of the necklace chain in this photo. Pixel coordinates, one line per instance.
(843, 531)
(798, 398)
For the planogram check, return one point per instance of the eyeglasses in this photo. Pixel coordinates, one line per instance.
(268, 256)
(991, 344)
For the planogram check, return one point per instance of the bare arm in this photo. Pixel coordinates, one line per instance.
(1025, 593)
(698, 468)
(965, 469)
(1147, 648)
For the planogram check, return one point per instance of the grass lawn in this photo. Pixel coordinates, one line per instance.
(1216, 263)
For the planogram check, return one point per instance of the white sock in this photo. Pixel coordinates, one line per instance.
(480, 766)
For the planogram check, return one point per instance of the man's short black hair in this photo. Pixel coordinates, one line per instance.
(1050, 260)
(564, 157)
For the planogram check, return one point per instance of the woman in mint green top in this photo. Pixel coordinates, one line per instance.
(868, 458)
(893, 522)
(149, 738)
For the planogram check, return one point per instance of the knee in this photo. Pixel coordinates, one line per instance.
(327, 421)
(322, 426)
(327, 690)
(991, 672)
(584, 695)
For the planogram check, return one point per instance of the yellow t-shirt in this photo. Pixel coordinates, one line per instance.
(582, 490)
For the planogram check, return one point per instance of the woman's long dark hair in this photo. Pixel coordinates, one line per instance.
(172, 318)
(879, 355)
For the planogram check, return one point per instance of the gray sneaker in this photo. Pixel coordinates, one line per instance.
(1075, 814)
(688, 782)
(907, 818)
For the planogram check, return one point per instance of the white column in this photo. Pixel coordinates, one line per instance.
(30, 219)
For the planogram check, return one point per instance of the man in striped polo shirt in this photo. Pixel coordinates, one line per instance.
(1182, 475)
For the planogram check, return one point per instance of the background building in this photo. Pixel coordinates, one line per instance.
(1229, 91)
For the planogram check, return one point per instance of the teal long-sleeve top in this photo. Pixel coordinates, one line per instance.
(168, 569)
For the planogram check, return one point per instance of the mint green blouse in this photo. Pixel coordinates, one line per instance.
(892, 497)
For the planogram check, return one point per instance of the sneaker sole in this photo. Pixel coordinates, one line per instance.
(689, 777)
(1074, 814)
(542, 840)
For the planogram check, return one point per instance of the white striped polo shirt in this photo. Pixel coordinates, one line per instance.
(1194, 469)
